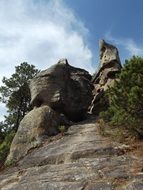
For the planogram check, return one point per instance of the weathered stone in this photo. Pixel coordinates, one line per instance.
(82, 159)
(135, 185)
(64, 88)
(108, 55)
(109, 66)
(67, 90)
(36, 126)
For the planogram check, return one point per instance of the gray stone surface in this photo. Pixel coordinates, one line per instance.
(64, 88)
(135, 185)
(80, 160)
(58, 91)
(37, 125)
(109, 66)
(108, 54)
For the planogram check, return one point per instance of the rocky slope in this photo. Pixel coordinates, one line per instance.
(80, 160)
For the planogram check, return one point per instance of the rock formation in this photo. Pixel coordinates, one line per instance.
(62, 94)
(59, 95)
(64, 88)
(82, 159)
(109, 66)
(36, 126)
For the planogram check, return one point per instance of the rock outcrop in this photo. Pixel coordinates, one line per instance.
(80, 160)
(62, 94)
(64, 88)
(59, 95)
(36, 126)
(110, 65)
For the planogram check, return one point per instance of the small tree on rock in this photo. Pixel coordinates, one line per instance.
(126, 98)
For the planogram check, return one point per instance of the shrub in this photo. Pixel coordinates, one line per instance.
(62, 129)
(126, 98)
(5, 146)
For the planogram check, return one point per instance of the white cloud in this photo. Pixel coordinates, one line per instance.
(128, 44)
(41, 32)
(133, 48)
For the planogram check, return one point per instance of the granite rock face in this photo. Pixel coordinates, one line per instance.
(64, 88)
(58, 95)
(109, 55)
(80, 160)
(110, 65)
(36, 126)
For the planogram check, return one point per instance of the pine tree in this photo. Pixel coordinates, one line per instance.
(15, 94)
(126, 98)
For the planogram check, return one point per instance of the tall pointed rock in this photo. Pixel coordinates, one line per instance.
(110, 65)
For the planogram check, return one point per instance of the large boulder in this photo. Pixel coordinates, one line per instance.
(110, 65)
(64, 88)
(36, 126)
(57, 92)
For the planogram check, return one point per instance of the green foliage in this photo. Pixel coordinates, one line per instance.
(126, 98)
(2, 131)
(15, 94)
(5, 146)
(62, 129)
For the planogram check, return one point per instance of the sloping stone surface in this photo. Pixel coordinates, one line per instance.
(80, 160)
(64, 88)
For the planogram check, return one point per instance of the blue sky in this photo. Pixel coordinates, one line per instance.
(117, 21)
(43, 31)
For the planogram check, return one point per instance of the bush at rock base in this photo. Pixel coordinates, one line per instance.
(62, 129)
(5, 147)
(126, 98)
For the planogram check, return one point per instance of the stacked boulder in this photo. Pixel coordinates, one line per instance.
(59, 95)
(66, 89)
